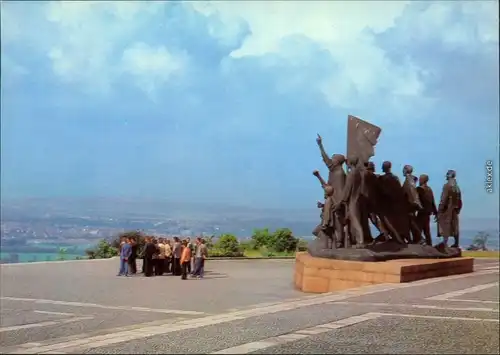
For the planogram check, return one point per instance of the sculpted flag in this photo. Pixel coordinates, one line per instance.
(362, 137)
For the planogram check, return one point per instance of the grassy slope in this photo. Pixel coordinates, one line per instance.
(264, 254)
(482, 254)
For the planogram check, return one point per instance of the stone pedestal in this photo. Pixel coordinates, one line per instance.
(318, 275)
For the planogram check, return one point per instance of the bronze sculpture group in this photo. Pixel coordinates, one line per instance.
(357, 196)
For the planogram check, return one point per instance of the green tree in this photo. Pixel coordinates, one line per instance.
(248, 245)
(227, 246)
(228, 243)
(262, 238)
(284, 241)
(209, 242)
(102, 250)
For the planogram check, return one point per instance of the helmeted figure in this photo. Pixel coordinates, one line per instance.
(449, 209)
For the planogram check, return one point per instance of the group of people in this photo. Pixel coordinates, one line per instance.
(163, 256)
(400, 211)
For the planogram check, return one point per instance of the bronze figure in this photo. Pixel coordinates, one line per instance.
(352, 199)
(336, 173)
(325, 231)
(336, 179)
(338, 220)
(371, 194)
(400, 212)
(426, 197)
(449, 209)
(393, 218)
(412, 203)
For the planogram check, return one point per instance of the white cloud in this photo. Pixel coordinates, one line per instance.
(88, 36)
(92, 44)
(345, 30)
(338, 27)
(461, 25)
(151, 66)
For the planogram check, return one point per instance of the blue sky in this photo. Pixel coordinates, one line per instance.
(222, 101)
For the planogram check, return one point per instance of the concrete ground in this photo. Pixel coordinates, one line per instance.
(241, 307)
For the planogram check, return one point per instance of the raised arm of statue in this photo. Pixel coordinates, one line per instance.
(321, 180)
(328, 161)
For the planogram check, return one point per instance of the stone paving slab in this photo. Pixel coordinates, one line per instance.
(490, 294)
(234, 334)
(228, 284)
(90, 289)
(87, 320)
(461, 311)
(226, 332)
(447, 284)
(256, 308)
(220, 336)
(395, 335)
(12, 317)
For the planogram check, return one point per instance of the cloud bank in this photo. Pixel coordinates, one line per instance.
(222, 100)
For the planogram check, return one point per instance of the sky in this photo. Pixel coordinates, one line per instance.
(221, 101)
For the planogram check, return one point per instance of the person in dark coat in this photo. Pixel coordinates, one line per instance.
(132, 260)
(176, 257)
(149, 252)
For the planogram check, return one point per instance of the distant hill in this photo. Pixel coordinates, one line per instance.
(142, 208)
(148, 213)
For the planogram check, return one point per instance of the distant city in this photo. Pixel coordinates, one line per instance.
(37, 229)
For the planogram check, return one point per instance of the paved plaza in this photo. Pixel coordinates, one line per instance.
(242, 306)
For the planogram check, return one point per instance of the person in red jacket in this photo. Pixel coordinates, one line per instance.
(185, 259)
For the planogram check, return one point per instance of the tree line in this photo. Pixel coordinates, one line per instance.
(263, 242)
